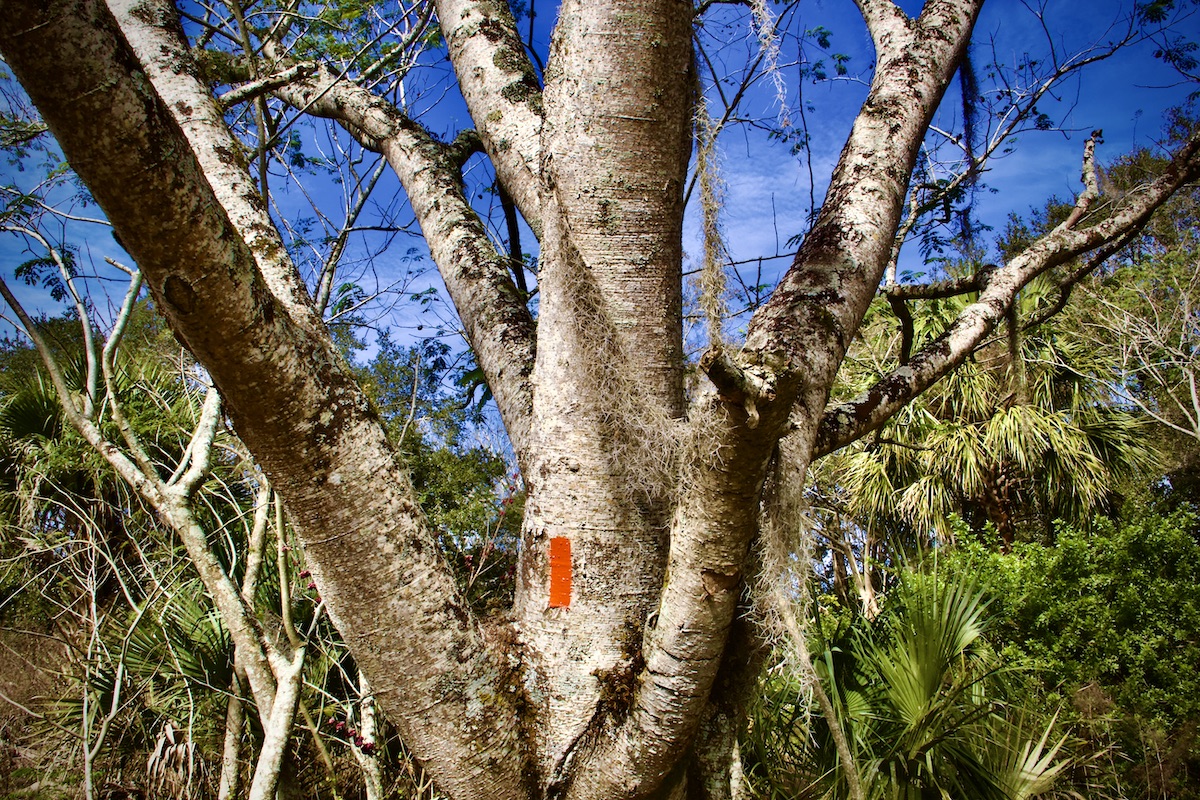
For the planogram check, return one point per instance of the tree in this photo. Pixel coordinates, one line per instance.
(102, 542)
(1156, 353)
(1011, 441)
(643, 499)
(148, 663)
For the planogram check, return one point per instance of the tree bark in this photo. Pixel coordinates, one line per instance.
(374, 558)
(623, 684)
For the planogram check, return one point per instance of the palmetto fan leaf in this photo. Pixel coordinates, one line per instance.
(982, 446)
(936, 630)
(968, 394)
(32, 411)
(1021, 435)
(186, 642)
(959, 453)
(871, 481)
(1028, 768)
(928, 503)
(913, 692)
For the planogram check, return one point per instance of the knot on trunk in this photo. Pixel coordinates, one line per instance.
(736, 384)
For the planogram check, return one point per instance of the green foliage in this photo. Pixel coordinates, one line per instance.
(44, 271)
(83, 550)
(1109, 622)
(1017, 445)
(76, 539)
(171, 659)
(463, 485)
(351, 33)
(915, 691)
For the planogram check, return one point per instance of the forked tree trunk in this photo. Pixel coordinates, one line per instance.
(629, 682)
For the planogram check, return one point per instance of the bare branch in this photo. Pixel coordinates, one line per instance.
(503, 94)
(278, 730)
(1069, 281)
(121, 463)
(1091, 184)
(91, 354)
(199, 449)
(882, 18)
(132, 441)
(331, 261)
(261, 86)
(735, 384)
(497, 324)
(231, 295)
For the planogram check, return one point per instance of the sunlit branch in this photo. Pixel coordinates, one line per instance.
(148, 485)
(261, 86)
(880, 15)
(108, 367)
(210, 29)
(844, 422)
(58, 212)
(402, 49)
(1011, 122)
(92, 376)
(199, 450)
(1068, 282)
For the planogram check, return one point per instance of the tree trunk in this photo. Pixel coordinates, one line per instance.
(615, 676)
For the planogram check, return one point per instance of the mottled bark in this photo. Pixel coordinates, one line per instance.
(503, 93)
(229, 785)
(793, 348)
(376, 562)
(608, 379)
(628, 689)
(616, 144)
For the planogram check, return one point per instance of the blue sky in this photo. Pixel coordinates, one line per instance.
(1125, 96)
(768, 188)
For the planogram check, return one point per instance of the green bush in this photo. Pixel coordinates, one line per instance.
(1108, 622)
(915, 694)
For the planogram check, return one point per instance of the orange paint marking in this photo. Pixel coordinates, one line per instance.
(560, 572)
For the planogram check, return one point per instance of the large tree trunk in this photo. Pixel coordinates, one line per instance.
(645, 503)
(608, 379)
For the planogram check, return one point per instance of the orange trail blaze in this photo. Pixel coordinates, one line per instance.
(560, 572)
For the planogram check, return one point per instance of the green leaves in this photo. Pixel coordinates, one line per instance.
(1108, 617)
(44, 271)
(915, 692)
(463, 486)
(181, 642)
(1014, 445)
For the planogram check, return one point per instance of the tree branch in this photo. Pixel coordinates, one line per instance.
(496, 321)
(92, 373)
(736, 385)
(845, 422)
(224, 282)
(833, 279)
(1068, 283)
(882, 18)
(897, 294)
(503, 94)
(1091, 184)
(199, 449)
(109, 370)
(243, 628)
(257, 88)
